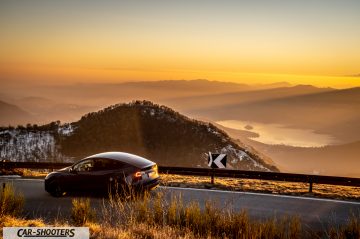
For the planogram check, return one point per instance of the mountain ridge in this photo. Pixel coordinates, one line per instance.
(14, 114)
(140, 127)
(156, 132)
(234, 98)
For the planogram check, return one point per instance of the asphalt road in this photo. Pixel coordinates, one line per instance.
(313, 212)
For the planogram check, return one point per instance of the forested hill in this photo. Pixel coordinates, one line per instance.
(141, 127)
(156, 132)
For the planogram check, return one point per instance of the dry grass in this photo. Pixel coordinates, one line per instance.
(11, 221)
(140, 231)
(11, 202)
(263, 186)
(81, 211)
(27, 173)
(11, 206)
(155, 217)
(144, 231)
(181, 220)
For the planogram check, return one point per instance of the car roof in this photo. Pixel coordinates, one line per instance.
(131, 159)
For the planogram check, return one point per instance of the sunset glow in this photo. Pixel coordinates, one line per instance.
(301, 42)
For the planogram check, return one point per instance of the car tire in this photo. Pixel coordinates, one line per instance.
(57, 190)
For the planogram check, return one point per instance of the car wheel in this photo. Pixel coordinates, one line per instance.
(57, 190)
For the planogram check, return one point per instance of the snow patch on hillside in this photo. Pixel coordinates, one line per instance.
(66, 130)
(213, 131)
(20, 145)
(236, 156)
(158, 113)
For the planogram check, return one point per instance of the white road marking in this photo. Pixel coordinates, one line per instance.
(23, 179)
(10, 176)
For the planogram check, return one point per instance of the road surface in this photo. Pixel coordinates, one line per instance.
(313, 212)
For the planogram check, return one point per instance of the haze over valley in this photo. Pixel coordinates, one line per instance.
(283, 122)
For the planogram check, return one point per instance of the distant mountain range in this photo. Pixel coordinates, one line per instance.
(340, 160)
(38, 110)
(12, 115)
(68, 103)
(218, 100)
(153, 131)
(333, 112)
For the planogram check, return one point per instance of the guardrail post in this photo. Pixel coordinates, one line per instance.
(310, 185)
(3, 187)
(212, 176)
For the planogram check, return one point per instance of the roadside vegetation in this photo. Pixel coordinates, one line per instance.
(262, 186)
(190, 220)
(25, 172)
(11, 208)
(11, 203)
(81, 211)
(154, 216)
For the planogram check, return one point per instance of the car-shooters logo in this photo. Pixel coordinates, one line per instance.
(46, 232)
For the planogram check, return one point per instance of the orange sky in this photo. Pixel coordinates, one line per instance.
(301, 42)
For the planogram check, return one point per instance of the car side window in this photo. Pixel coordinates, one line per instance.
(99, 164)
(85, 166)
(107, 164)
(117, 164)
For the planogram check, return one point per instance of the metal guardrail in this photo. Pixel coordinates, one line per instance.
(273, 176)
(33, 165)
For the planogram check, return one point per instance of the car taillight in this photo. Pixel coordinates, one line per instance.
(137, 175)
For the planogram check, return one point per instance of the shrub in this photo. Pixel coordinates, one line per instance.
(11, 203)
(82, 212)
(352, 228)
(208, 222)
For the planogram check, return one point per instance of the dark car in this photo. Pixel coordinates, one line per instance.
(102, 172)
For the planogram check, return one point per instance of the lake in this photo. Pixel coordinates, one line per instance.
(281, 134)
